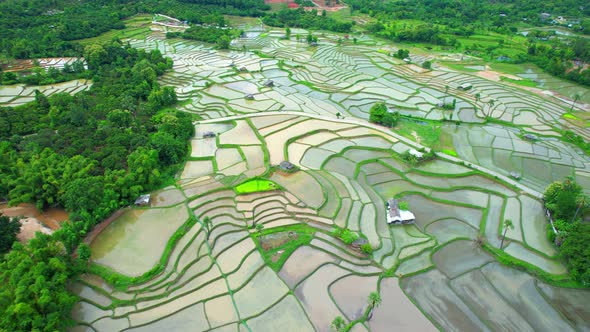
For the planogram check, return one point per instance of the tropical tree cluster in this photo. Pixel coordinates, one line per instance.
(9, 228)
(91, 153)
(209, 34)
(34, 281)
(380, 114)
(299, 18)
(568, 203)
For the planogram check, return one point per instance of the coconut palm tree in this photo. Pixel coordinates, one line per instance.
(374, 301)
(582, 200)
(207, 223)
(507, 224)
(576, 98)
(491, 102)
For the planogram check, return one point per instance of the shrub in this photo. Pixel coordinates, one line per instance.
(367, 248)
(404, 205)
(347, 236)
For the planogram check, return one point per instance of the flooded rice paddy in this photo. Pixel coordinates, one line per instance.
(431, 275)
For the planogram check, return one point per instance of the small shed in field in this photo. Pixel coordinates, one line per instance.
(465, 86)
(396, 216)
(143, 200)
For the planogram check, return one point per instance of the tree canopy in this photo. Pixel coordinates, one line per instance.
(91, 153)
(9, 228)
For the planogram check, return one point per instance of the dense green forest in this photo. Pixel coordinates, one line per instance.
(90, 153)
(567, 203)
(211, 34)
(300, 18)
(466, 14)
(443, 22)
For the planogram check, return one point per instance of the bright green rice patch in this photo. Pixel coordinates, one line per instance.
(429, 134)
(256, 185)
(570, 116)
(450, 152)
(295, 236)
(461, 66)
(507, 68)
(521, 82)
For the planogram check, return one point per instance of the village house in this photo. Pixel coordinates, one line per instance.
(143, 200)
(465, 86)
(396, 216)
(286, 166)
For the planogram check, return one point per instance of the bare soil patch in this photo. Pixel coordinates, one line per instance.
(33, 220)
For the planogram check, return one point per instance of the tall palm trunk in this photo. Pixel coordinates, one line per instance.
(503, 237)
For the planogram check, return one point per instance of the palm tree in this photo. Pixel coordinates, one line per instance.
(374, 301)
(338, 324)
(576, 98)
(507, 224)
(582, 200)
(491, 102)
(208, 223)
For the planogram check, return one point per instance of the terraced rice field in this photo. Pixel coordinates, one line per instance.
(19, 94)
(431, 275)
(504, 150)
(221, 281)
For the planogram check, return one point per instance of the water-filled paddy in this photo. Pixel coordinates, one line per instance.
(134, 243)
(445, 280)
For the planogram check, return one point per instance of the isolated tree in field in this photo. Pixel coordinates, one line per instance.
(338, 115)
(9, 228)
(374, 299)
(576, 98)
(446, 92)
(507, 224)
(402, 54)
(208, 223)
(427, 65)
(377, 112)
(477, 96)
(338, 324)
(288, 33)
(390, 119)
